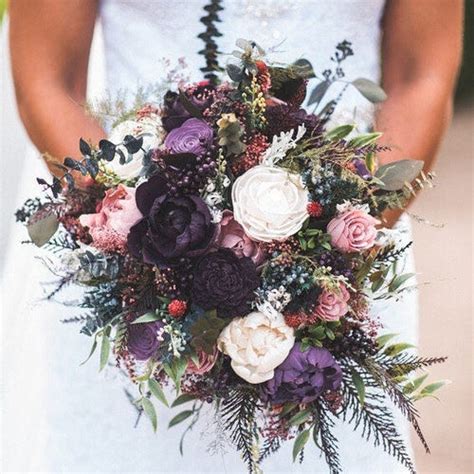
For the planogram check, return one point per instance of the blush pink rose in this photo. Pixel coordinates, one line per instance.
(232, 236)
(353, 231)
(206, 363)
(332, 305)
(115, 215)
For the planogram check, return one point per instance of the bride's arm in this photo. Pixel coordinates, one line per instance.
(50, 42)
(421, 53)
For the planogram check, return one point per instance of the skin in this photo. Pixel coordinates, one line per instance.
(421, 51)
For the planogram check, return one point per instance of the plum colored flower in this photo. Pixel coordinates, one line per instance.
(332, 305)
(256, 345)
(353, 231)
(269, 203)
(225, 282)
(205, 362)
(143, 339)
(194, 136)
(231, 235)
(116, 214)
(150, 129)
(172, 226)
(303, 376)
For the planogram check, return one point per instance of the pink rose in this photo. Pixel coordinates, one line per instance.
(333, 305)
(232, 236)
(353, 231)
(115, 215)
(206, 362)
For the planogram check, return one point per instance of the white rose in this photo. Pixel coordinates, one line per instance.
(150, 129)
(269, 203)
(257, 344)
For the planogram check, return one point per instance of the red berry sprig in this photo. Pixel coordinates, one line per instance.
(314, 209)
(177, 308)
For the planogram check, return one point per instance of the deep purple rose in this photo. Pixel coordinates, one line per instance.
(142, 341)
(172, 226)
(194, 136)
(303, 376)
(226, 282)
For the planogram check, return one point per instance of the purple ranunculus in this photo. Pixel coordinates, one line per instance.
(226, 282)
(194, 136)
(142, 341)
(303, 376)
(172, 226)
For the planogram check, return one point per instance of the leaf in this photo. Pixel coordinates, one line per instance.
(359, 385)
(92, 167)
(41, 231)
(414, 385)
(399, 280)
(107, 149)
(157, 391)
(370, 162)
(184, 398)
(188, 105)
(287, 408)
(147, 318)
(382, 340)
(433, 387)
(132, 144)
(340, 132)
(370, 90)
(85, 148)
(104, 351)
(175, 370)
(234, 72)
(150, 411)
(180, 417)
(318, 93)
(206, 330)
(303, 68)
(394, 175)
(365, 139)
(395, 349)
(300, 417)
(300, 442)
(94, 345)
(41, 181)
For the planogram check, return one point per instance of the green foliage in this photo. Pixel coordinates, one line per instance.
(317, 334)
(180, 417)
(312, 240)
(206, 330)
(41, 230)
(300, 442)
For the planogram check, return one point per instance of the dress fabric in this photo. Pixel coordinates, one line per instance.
(60, 417)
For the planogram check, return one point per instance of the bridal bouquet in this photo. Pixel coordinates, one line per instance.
(230, 246)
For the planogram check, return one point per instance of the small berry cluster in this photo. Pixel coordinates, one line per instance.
(177, 308)
(252, 155)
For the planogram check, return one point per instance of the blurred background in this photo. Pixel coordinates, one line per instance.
(444, 262)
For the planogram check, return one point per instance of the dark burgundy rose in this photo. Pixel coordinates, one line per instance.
(226, 282)
(172, 226)
(194, 136)
(142, 340)
(303, 376)
(175, 114)
(282, 118)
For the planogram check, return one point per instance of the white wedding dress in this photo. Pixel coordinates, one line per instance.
(59, 417)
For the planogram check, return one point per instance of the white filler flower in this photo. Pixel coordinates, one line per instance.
(269, 203)
(257, 345)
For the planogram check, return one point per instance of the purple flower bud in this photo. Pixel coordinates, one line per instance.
(143, 340)
(194, 136)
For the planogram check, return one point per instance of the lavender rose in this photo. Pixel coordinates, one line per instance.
(226, 282)
(303, 376)
(194, 136)
(172, 227)
(143, 339)
(353, 231)
(232, 236)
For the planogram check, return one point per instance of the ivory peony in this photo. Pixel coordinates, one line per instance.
(269, 203)
(256, 344)
(150, 129)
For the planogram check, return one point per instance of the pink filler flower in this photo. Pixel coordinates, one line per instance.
(115, 215)
(353, 231)
(332, 305)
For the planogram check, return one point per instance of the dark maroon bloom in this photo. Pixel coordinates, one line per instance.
(142, 341)
(303, 376)
(194, 136)
(282, 118)
(226, 282)
(172, 226)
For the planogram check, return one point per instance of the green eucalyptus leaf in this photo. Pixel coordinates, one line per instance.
(104, 351)
(147, 318)
(340, 132)
(180, 417)
(318, 93)
(382, 340)
(365, 139)
(394, 175)
(41, 230)
(399, 280)
(234, 72)
(157, 391)
(300, 417)
(287, 408)
(184, 398)
(370, 90)
(433, 387)
(93, 348)
(395, 349)
(303, 68)
(414, 385)
(359, 385)
(150, 411)
(300, 442)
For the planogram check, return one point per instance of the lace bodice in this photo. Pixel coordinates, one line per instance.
(139, 34)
